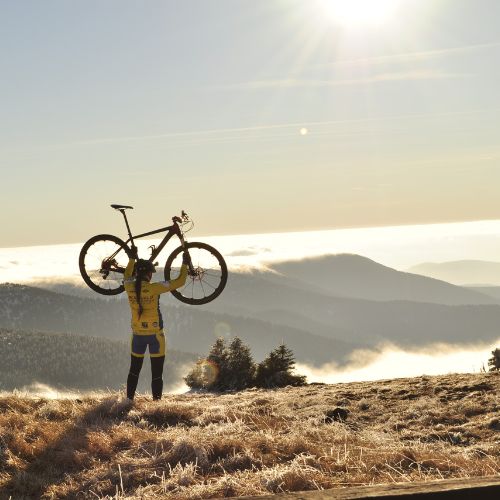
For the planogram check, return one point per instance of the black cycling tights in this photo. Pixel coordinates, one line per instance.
(156, 376)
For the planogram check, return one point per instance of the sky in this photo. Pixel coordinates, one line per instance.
(254, 116)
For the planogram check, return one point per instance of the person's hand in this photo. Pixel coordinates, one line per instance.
(134, 252)
(185, 258)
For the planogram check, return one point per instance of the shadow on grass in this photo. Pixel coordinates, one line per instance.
(66, 455)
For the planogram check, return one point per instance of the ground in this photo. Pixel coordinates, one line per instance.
(254, 442)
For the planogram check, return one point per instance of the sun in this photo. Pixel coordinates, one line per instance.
(360, 12)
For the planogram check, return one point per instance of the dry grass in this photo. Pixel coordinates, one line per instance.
(251, 443)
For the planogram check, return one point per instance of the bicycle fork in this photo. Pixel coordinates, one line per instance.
(190, 266)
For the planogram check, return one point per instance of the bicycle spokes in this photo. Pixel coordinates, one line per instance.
(207, 274)
(103, 263)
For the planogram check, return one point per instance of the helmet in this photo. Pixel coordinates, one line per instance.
(143, 267)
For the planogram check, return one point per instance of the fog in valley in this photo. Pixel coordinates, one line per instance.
(388, 361)
(346, 315)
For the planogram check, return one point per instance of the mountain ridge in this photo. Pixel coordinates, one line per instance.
(352, 275)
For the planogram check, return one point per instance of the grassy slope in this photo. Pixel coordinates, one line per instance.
(254, 442)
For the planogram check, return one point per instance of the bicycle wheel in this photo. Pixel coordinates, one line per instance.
(102, 262)
(209, 276)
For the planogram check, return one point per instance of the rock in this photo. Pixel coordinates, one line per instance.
(336, 415)
(494, 424)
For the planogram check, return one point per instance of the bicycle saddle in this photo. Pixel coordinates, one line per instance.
(120, 207)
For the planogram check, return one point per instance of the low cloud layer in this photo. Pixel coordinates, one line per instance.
(388, 361)
(397, 246)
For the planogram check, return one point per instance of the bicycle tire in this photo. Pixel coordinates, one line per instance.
(199, 252)
(90, 270)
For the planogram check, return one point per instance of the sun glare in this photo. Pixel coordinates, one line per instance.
(360, 12)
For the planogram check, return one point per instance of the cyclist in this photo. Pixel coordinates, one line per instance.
(147, 322)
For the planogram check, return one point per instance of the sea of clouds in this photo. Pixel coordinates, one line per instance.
(399, 247)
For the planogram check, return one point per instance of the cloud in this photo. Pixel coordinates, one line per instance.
(239, 134)
(390, 361)
(394, 59)
(247, 252)
(411, 56)
(380, 78)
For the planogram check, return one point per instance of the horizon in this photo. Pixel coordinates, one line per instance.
(398, 247)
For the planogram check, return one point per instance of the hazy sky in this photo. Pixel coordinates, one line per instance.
(252, 115)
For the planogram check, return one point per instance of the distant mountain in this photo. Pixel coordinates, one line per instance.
(275, 298)
(299, 303)
(366, 322)
(462, 272)
(189, 328)
(355, 276)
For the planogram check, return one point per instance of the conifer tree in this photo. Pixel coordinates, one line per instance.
(218, 357)
(494, 361)
(233, 368)
(241, 367)
(276, 369)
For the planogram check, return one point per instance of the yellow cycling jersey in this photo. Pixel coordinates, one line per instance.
(150, 321)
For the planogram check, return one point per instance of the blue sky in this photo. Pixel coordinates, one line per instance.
(199, 105)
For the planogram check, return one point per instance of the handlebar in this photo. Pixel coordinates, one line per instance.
(184, 218)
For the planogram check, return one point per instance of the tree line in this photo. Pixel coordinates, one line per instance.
(67, 361)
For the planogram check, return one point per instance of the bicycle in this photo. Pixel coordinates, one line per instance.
(103, 259)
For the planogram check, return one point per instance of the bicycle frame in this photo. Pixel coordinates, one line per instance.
(173, 230)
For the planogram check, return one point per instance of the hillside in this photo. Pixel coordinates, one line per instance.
(492, 291)
(359, 277)
(251, 443)
(190, 329)
(76, 362)
(367, 322)
(319, 328)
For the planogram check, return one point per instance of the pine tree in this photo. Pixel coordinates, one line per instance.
(494, 361)
(218, 357)
(241, 367)
(276, 369)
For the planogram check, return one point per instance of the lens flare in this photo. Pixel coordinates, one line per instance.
(209, 371)
(222, 329)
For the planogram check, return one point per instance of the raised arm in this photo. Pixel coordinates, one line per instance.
(168, 286)
(129, 270)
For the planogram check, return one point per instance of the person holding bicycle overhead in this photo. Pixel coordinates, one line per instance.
(147, 321)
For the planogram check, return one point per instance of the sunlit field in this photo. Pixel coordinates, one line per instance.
(251, 443)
